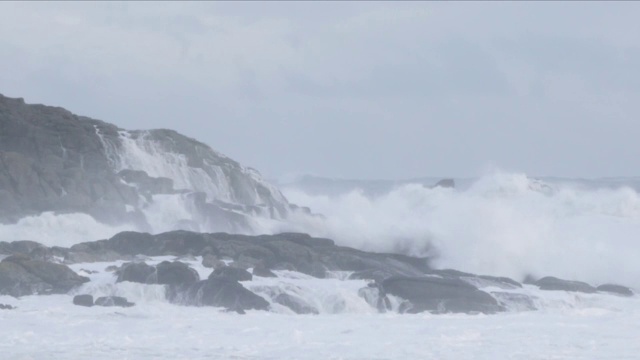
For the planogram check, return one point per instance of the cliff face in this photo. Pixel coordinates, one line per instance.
(53, 160)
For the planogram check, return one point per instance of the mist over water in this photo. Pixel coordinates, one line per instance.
(59, 229)
(502, 224)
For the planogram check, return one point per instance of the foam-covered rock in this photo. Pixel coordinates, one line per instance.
(615, 289)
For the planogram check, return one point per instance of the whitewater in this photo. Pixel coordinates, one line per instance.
(502, 224)
(566, 326)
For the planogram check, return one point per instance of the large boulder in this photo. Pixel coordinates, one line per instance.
(21, 275)
(553, 283)
(263, 271)
(83, 300)
(440, 295)
(176, 273)
(295, 303)
(222, 292)
(109, 301)
(138, 273)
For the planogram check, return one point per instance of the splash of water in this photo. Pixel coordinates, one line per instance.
(503, 224)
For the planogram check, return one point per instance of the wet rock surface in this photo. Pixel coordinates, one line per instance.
(440, 295)
(173, 273)
(231, 273)
(293, 251)
(109, 301)
(21, 275)
(83, 300)
(221, 292)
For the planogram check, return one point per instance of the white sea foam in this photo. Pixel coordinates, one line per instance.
(503, 224)
(59, 229)
(567, 326)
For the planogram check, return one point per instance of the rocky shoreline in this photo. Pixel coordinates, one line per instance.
(30, 268)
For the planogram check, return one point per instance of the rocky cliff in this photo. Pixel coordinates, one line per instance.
(53, 160)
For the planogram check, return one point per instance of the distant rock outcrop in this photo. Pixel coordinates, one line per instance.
(53, 160)
(553, 283)
(615, 289)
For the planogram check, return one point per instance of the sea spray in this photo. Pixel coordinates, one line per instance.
(503, 224)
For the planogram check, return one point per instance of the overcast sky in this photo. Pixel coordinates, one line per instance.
(353, 90)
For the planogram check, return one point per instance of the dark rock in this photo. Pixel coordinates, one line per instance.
(231, 273)
(440, 295)
(263, 271)
(6, 307)
(552, 283)
(176, 274)
(83, 300)
(138, 273)
(132, 243)
(173, 273)
(289, 251)
(237, 311)
(211, 261)
(615, 289)
(294, 303)
(223, 292)
(21, 275)
(109, 301)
